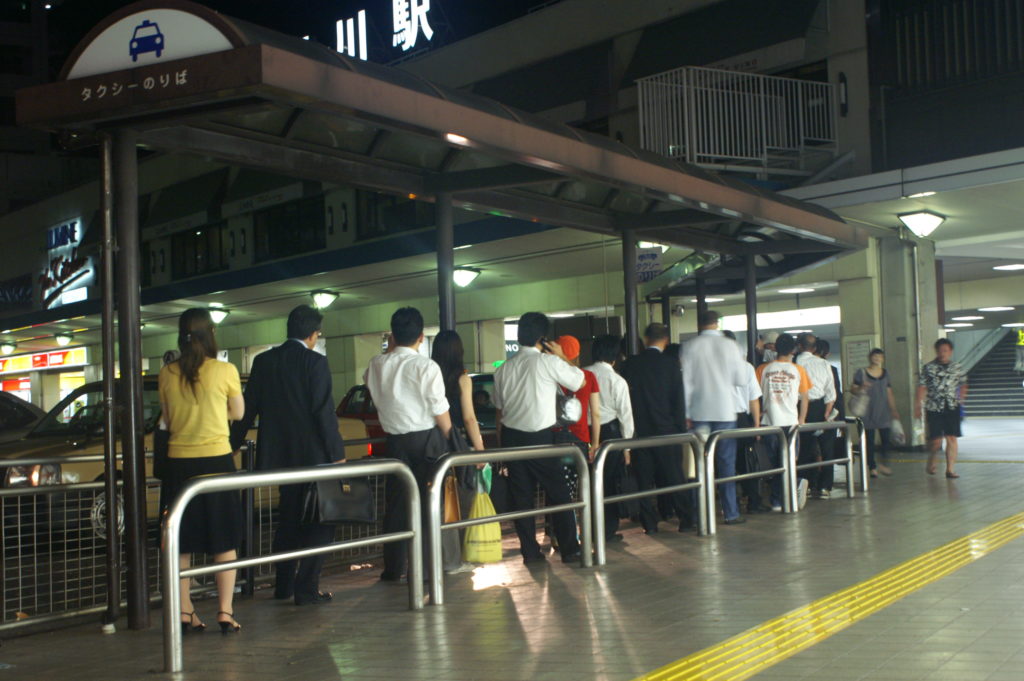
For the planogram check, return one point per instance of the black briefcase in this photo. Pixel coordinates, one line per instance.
(333, 502)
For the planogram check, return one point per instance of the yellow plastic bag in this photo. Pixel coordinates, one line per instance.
(482, 543)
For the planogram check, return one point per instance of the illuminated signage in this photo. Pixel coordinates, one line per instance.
(409, 19)
(16, 385)
(67, 274)
(44, 360)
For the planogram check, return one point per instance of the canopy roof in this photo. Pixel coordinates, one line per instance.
(256, 98)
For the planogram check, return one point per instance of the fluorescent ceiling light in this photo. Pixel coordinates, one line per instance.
(459, 248)
(1009, 268)
(796, 290)
(996, 309)
(923, 222)
(464, 276)
(709, 300)
(969, 318)
(950, 330)
(921, 195)
(7, 347)
(219, 314)
(1015, 325)
(561, 315)
(323, 299)
(652, 244)
(796, 331)
(807, 318)
(216, 304)
(63, 339)
(456, 139)
(960, 325)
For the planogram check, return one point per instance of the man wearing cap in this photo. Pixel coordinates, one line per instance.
(769, 354)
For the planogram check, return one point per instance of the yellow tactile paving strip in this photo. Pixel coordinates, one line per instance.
(746, 654)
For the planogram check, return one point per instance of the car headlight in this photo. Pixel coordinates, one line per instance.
(159, 40)
(135, 44)
(33, 476)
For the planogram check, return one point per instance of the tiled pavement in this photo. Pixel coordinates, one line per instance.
(658, 599)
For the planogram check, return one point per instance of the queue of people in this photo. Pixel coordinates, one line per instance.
(704, 386)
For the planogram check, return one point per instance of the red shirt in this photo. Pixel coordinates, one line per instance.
(581, 428)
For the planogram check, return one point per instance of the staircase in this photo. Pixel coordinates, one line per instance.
(994, 388)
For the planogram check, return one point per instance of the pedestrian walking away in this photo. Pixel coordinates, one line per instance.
(290, 391)
(817, 446)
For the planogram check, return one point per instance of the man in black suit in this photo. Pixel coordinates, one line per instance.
(290, 390)
(656, 391)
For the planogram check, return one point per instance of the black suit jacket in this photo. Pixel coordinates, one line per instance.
(290, 390)
(656, 390)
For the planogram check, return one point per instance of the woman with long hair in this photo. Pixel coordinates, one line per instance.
(458, 386)
(198, 396)
(873, 382)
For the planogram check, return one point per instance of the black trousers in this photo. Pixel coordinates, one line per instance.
(751, 488)
(523, 478)
(300, 578)
(817, 448)
(614, 474)
(662, 465)
(878, 453)
(414, 449)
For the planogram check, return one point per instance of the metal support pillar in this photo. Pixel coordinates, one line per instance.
(110, 416)
(445, 261)
(666, 312)
(126, 219)
(702, 303)
(629, 283)
(750, 290)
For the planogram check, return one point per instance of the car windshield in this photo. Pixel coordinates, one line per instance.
(82, 411)
(146, 31)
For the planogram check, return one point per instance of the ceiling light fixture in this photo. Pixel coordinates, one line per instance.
(922, 222)
(7, 347)
(969, 318)
(216, 304)
(996, 309)
(796, 331)
(1009, 268)
(323, 299)
(456, 139)
(652, 244)
(796, 290)
(959, 325)
(464, 276)
(63, 339)
(920, 195)
(219, 314)
(709, 300)
(1015, 325)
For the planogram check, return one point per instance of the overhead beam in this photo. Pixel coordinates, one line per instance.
(499, 177)
(784, 247)
(672, 218)
(283, 159)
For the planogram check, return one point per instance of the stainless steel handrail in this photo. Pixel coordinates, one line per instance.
(435, 524)
(172, 572)
(787, 469)
(599, 499)
(847, 426)
(47, 460)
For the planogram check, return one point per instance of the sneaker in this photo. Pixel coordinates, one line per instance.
(825, 494)
(801, 494)
(464, 567)
(777, 508)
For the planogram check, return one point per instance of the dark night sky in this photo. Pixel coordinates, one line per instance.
(451, 19)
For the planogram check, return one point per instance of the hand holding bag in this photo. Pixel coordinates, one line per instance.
(333, 502)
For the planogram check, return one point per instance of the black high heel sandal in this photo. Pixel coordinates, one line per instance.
(185, 626)
(231, 626)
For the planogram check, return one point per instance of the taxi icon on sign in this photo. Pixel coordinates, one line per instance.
(146, 38)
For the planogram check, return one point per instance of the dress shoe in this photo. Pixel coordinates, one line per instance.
(687, 527)
(650, 530)
(613, 538)
(319, 598)
(534, 560)
(394, 579)
(738, 520)
(572, 557)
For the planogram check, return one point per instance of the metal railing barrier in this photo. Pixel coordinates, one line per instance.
(786, 470)
(599, 499)
(436, 526)
(173, 653)
(850, 427)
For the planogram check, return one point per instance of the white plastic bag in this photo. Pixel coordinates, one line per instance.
(896, 434)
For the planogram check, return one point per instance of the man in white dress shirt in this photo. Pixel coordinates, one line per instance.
(712, 371)
(616, 422)
(821, 398)
(525, 387)
(408, 390)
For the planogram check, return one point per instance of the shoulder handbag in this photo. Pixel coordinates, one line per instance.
(333, 502)
(161, 452)
(568, 409)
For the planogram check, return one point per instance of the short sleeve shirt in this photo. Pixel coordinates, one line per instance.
(943, 382)
(581, 428)
(199, 418)
(782, 384)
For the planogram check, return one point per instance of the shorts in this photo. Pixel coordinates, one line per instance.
(945, 423)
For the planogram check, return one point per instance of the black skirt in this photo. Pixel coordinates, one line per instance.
(212, 523)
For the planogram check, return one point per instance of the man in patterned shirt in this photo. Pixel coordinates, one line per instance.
(941, 389)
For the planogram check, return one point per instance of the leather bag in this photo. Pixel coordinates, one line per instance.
(334, 502)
